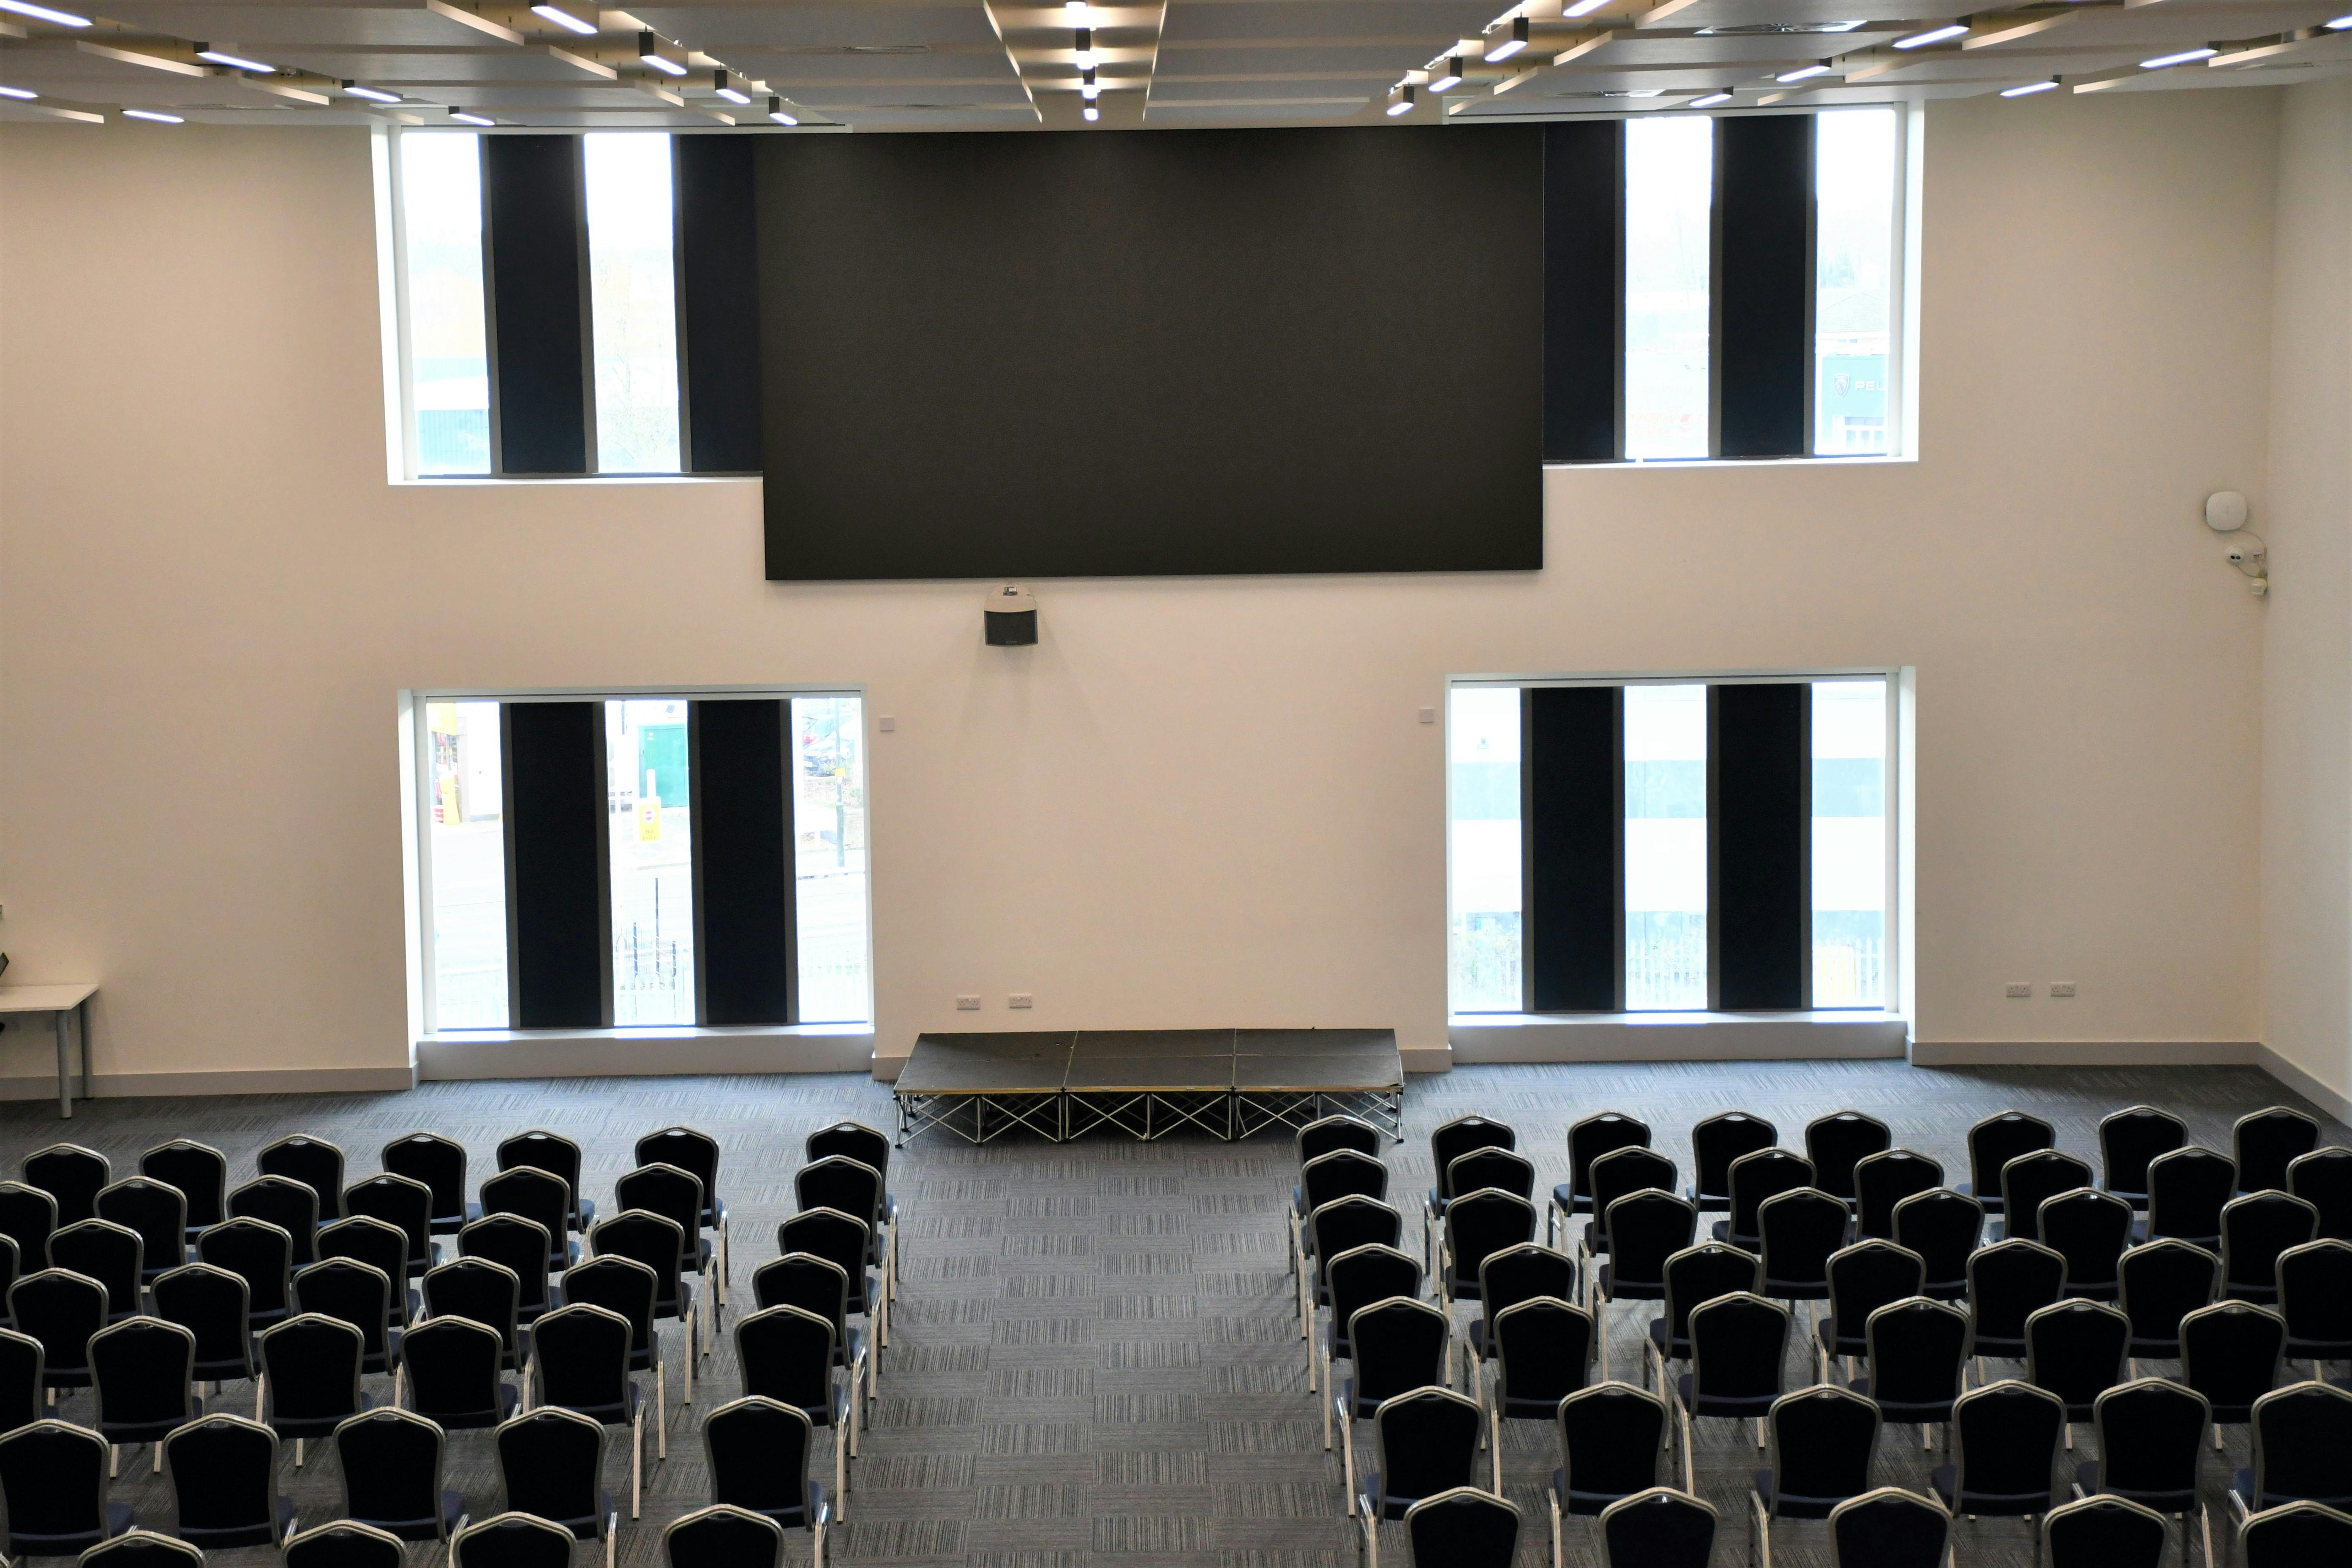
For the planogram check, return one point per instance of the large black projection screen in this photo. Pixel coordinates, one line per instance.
(1122, 353)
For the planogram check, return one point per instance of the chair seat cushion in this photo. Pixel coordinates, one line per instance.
(1584, 1503)
(1791, 1506)
(23, 1544)
(1678, 1351)
(1796, 1289)
(1906, 1412)
(803, 1516)
(1563, 1197)
(1999, 1505)
(1833, 1345)
(453, 1508)
(1615, 1290)
(269, 1534)
(1380, 1502)
(1716, 1404)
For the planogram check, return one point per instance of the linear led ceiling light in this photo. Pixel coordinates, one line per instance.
(1584, 7)
(1403, 105)
(1449, 75)
(1087, 87)
(2182, 59)
(2341, 25)
(43, 13)
(222, 58)
(776, 112)
(17, 93)
(1711, 100)
(1512, 43)
(732, 94)
(1805, 73)
(467, 117)
(563, 18)
(1932, 35)
(372, 94)
(649, 53)
(2027, 90)
(157, 115)
(1076, 10)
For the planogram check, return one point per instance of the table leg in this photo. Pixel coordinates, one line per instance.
(89, 1068)
(65, 1081)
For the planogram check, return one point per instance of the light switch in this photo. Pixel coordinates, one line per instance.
(889, 724)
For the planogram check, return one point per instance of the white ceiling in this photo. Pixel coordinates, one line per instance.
(971, 64)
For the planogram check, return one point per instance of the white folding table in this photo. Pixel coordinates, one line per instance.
(68, 1005)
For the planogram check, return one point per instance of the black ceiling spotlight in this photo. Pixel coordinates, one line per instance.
(726, 88)
(777, 112)
(1403, 105)
(1512, 43)
(1449, 75)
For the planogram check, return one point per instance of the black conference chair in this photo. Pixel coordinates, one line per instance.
(1616, 1175)
(1338, 1227)
(550, 1465)
(1861, 1279)
(850, 1186)
(2231, 1352)
(581, 1355)
(558, 1156)
(675, 1194)
(1544, 1352)
(1943, 1227)
(1451, 1140)
(1661, 1527)
(520, 1247)
(392, 1461)
(109, 1253)
(1360, 1276)
(2129, 1139)
(200, 1172)
(1589, 1140)
(2254, 1230)
(2266, 1143)
(626, 1286)
(2158, 1284)
(1918, 1353)
(2323, 1179)
(2315, 1297)
(819, 1285)
(1476, 1226)
(1327, 1178)
(285, 1203)
(511, 1540)
(1885, 1179)
(344, 1543)
(311, 1377)
(2302, 1450)
(1464, 1528)
(2007, 1283)
(2296, 1535)
(27, 1216)
(158, 1212)
(2103, 1532)
(10, 1267)
(313, 1162)
(143, 1549)
(1479, 1170)
(1754, 1177)
(1799, 1230)
(452, 1367)
(1739, 1345)
(840, 1236)
(261, 1254)
(53, 1477)
(2089, 1229)
(2004, 1441)
(725, 1536)
(660, 1245)
(210, 1303)
(62, 1310)
(2151, 1437)
(1835, 1142)
(402, 1203)
(1715, 1142)
(1993, 1143)
(1326, 1134)
(382, 1246)
(545, 1199)
(440, 1163)
(758, 1450)
(225, 1484)
(143, 1369)
(1506, 1278)
(696, 1152)
(362, 1295)
(485, 1292)
(2075, 1349)
(2186, 1190)
(1888, 1527)
(22, 1401)
(1821, 1441)
(1611, 1438)
(71, 1175)
(1639, 1233)
(1426, 1442)
(1693, 1275)
(1399, 1346)
(786, 1355)
(2026, 1181)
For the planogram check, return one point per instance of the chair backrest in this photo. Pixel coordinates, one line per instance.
(621, 1285)
(1761, 1176)
(1867, 1276)
(2000, 1137)
(541, 1196)
(2315, 1293)
(2075, 1349)
(2161, 1281)
(1399, 1344)
(144, 1369)
(521, 1245)
(670, 1191)
(787, 1355)
(260, 1253)
(1661, 1527)
(1482, 1223)
(2303, 1441)
(313, 1162)
(1919, 1348)
(2129, 1139)
(224, 1475)
(832, 1233)
(812, 1284)
(198, 1170)
(1344, 1224)
(511, 1540)
(1823, 1440)
(723, 1536)
(141, 1548)
(288, 1204)
(10, 1265)
(111, 1254)
(353, 1292)
(475, 1288)
(1501, 1169)
(1324, 1134)
(2090, 1229)
(157, 1210)
(390, 1460)
(1454, 1139)
(72, 1175)
(2030, 1178)
(2266, 1141)
(2104, 1531)
(696, 1152)
(1737, 1344)
(1633, 1169)
(1943, 1227)
(2011, 1280)
(2294, 1535)
(1885, 1179)
(1600, 1134)
(549, 1462)
(1801, 1228)
(2323, 1179)
(1464, 1528)
(758, 1449)
(1888, 1527)
(1342, 1172)
(2151, 1434)
(453, 1368)
(2231, 1352)
(1835, 1141)
(1363, 1274)
(1611, 1435)
(1521, 1273)
(1428, 1442)
(1546, 1348)
(543, 1150)
(2005, 1438)
(62, 1310)
(53, 1477)
(345, 1544)
(313, 1364)
(20, 1380)
(2186, 1190)
(214, 1305)
(397, 1201)
(367, 1240)
(1703, 1272)
(867, 1145)
(650, 1238)
(581, 1353)
(439, 1162)
(28, 1216)
(1643, 1229)
(1719, 1140)
(2255, 1229)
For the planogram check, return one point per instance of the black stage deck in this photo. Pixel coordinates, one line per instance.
(1146, 1083)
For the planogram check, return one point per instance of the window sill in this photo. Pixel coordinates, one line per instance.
(1859, 461)
(653, 1052)
(1676, 1036)
(502, 481)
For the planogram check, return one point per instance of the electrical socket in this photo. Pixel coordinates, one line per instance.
(2018, 988)
(1020, 999)
(2062, 988)
(966, 1004)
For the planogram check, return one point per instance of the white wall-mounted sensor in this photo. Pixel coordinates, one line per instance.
(1010, 616)
(2226, 512)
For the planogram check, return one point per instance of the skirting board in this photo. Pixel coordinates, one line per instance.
(260, 1081)
(643, 1053)
(2303, 1084)
(1672, 1036)
(2086, 1053)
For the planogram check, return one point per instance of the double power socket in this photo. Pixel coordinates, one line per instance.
(1018, 999)
(2023, 988)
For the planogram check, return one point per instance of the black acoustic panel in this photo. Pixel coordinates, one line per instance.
(555, 864)
(1761, 925)
(742, 862)
(533, 233)
(1763, 285)
(1584, 272)
(718, 289)
(1220, 352)
(1574, 896)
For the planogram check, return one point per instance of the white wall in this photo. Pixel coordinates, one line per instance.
(1196, 802)
(2308, 669)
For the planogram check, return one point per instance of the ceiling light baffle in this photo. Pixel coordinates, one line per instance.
(721, 85)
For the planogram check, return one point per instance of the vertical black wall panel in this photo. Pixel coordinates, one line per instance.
(1572, 790)
(558, 945)
(718, 282)
(1763, 285)
(533, 235)
(1760, 931)
(1584, 294)
(742, 862)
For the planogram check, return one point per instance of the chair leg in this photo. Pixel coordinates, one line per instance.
(636, 1462)
(1554, 1498)
(1329, 1395)
(1347, 1459)
(840, 1476)
(611, 1531)
(298, 1453)
(2204, 1523)
(1494, 1446)
(1760, 1432)
(114, 1460)
(661, 1413)
(687, 1398)
(157, 1469)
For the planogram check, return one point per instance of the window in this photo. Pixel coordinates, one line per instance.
(1854, 286)
(632, 285)
(1483, 738)
(1665, 848)
(448, 356)
(644, 860)
(1669, 196)
(1849, 842)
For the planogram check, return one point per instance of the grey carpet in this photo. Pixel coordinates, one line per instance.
(1094, 1353)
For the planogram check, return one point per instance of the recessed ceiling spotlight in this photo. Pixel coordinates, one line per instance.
(467, 117)
(2182, 59)
(1403, 105)
(1932, 35)
(2027, 90)
(1449, 75)
(563, 18)
(43, 13)
(1511, 43)
(17, 93)
(649, 53)
(1805, 73)
(237, 62)
(157, 115)
(1711, 100)
(372, 94)
(776, 112)
(719, 85)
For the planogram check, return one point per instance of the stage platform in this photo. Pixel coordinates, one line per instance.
(1148, 1083)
